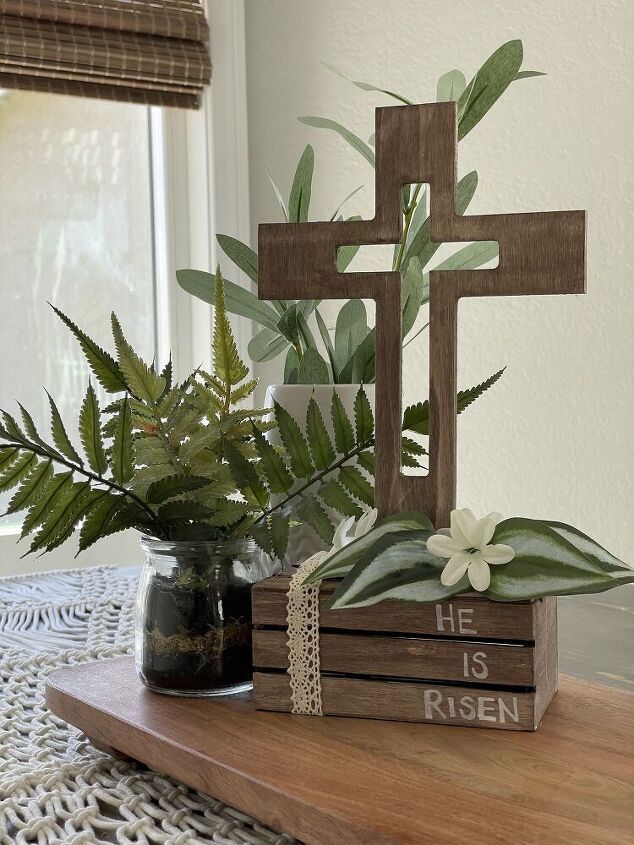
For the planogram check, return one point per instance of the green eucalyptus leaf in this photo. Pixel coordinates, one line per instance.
(341, 562)
(279, 197)
(355, 142)
(238, 300)
(366, 86)
(527, 74)
(242, 255)
(421, 244)
(313, 369)
(471, 256)
(488, 85)
(351, 329)
(291, 367)
(337, 211)
(414, 292)
(330, 349)
(450, 86)
(266, 345)
(299, 200)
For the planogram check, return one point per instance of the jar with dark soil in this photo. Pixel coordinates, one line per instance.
(193, 616)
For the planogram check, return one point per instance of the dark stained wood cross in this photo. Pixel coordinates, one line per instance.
(539, 253)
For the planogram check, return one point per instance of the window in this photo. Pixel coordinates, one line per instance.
(76, 230)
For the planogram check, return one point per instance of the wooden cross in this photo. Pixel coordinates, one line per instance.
(539, 253)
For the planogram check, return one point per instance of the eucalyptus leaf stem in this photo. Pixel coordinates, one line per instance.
(408, 221)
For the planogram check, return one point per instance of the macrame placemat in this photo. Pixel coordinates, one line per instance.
(55, 787)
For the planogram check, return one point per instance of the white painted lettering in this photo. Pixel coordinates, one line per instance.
(478, 659)
(485, 705)
(465, 617)
(440, 619)
(506, 711)
(467, 710)
(432, 700)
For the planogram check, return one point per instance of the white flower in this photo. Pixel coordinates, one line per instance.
(468, 549)
(347, 531)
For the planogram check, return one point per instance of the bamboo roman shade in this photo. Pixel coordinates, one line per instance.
(140, 51)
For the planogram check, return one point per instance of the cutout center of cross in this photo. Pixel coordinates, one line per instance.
(539, 253)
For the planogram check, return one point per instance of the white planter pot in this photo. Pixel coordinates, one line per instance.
(294, 398)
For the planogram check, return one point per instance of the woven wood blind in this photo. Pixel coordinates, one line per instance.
(140, 51)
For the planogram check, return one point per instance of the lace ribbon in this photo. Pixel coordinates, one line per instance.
(303, 641)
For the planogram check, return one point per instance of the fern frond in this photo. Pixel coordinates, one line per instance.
(32, 488)
(52, 493)
(313, 513)
(344, 435)
(60, 437)
(144, 383)
(90, 432)
(321, 447)
(102, 364)
(122, 452)
(230, 369)
(17, 470)
(275, 471)
(294, 443)
(357, 484)
(334, 495)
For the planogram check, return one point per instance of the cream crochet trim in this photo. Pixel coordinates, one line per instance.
(303, 641)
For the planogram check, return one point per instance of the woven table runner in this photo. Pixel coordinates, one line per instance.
(54, 786)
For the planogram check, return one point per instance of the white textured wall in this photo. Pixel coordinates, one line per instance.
(554, 438)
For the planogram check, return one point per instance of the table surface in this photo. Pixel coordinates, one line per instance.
(330, 781)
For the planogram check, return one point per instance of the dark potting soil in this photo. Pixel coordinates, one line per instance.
(196, 638)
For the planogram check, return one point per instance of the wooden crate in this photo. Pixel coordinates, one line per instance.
(464, 661)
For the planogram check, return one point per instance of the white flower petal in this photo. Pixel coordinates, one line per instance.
(442, 546)
(498, 554)
(455, 569)
(479, 574)
(483, 531)
(341, 538)
(365, 523)
(463, 524)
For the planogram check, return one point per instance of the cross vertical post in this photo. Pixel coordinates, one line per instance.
(539, 253)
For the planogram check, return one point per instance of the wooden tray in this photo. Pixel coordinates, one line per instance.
(338, 781)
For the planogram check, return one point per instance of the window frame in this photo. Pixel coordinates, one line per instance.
(199, 181)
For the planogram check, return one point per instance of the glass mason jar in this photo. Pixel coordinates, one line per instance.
(193, 616)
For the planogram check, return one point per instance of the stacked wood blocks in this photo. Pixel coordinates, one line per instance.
(463, 661)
